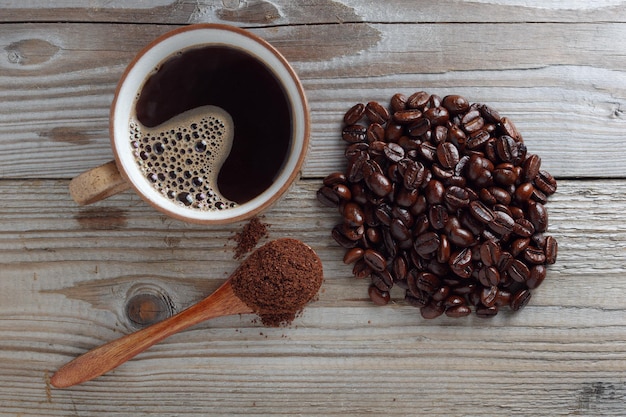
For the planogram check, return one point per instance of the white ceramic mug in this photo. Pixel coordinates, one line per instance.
(124, 172)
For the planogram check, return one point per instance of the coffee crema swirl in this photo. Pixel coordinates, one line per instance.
(182, 157)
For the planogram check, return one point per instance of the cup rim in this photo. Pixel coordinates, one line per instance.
(294, 92)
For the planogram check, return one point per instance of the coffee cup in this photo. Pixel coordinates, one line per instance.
(209, 124)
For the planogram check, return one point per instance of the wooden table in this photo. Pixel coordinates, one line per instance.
(67, 272)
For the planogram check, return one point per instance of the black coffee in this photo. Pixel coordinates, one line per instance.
(176, 146)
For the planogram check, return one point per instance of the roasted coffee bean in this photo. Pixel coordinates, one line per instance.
(335, 178)
(488, 296)
(502, 223)
(379, 184)
(501, 196)
(376, 113)
(354, 171)
(379, 297)
(375, 260)
(481, 212)
(327, 197)
(393, 152)
(489, 113)
(477, 140)
(361, 270)
(506, 148)
(358, 149)
(406, 197)
(343, 192)
(486, 312)
(427, 282)
(504, 261)
(461, 263)
(462, 238)
(531, 167)
(448, 155)
(488, 276)
(440, 135)
(457, 136)
(519, 245)
(454, 301)
(539, 196)
(373, 235)
(509, 128)
(382, 279)
(418, 127)
(394, 133)
(551, 250)
(441, 174)
(434, 192)
(413, 173)
(472, 121)
(426, 243)
(432, 310)
(418, 100)
(407, 116)
(399, 231)
(398, 102)
(375, 132)
(536, 277)
(452, 223)
(490, 253)
(341, 239)
(524, 192)
(458, 311)
(355, 114)
(353, 215)
(437, 216)
(505, 174)
(353, 255)
(444, 250)
(545, 182)
(520, 299)
(456, 197)
(421, 224)
(437, 115)
(417, 301)
(400, 268)
(518, 271)
(523, 228)
(538, 216)
(534, 255)
(352, 233)
(354, 133)
(455, 104)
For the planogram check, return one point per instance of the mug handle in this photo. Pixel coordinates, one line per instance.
(97, 184)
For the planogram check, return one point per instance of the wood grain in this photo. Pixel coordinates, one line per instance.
(65, 287)
(67, 272)
(552, 80)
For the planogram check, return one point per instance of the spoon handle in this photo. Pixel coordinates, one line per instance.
(102, 359)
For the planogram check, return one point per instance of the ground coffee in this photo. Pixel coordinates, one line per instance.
(278, 279)
(441, 198)
(249, 236)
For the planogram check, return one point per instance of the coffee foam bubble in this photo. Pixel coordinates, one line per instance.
(182, 157)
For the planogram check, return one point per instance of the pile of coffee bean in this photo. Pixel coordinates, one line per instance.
(441, 198)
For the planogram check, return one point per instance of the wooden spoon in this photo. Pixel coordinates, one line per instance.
(285, 274)
(223, 302)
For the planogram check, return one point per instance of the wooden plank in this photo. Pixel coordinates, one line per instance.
(67, 272)
(285, 12)
(565, 93)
